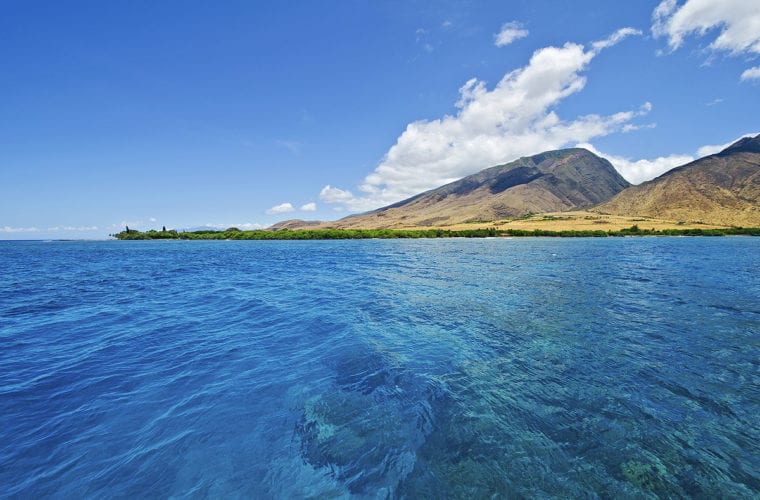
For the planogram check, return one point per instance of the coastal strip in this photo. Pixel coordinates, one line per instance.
(351, 234)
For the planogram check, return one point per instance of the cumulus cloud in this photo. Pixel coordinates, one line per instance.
(515, 118)
(638, 171)
(309, 207)
(736, 23)
(510, 32)
(282, 208)
(152, 219)
(717, 148)
(711, 149)
(751, 74)
(331, 194)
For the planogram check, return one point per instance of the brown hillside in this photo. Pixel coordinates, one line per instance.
(296, 224)
(719, 189)
(549, 182)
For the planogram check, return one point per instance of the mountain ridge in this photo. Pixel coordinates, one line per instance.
(722, 188)
(551, 181)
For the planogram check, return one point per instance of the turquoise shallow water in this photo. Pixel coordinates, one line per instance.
(616, 367)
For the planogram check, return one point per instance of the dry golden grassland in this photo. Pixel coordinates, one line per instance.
(575, 221)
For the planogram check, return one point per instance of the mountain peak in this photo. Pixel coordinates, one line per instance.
(747, 144)
(551, 181)
(723, 189)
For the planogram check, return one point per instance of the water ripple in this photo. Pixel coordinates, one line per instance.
(402, 369)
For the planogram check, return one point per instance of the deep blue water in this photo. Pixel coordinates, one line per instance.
(616, 367)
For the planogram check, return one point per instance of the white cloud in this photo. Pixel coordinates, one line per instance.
(515, 118)
(638, 171)
(510, 32)
(282, 208)
(152, 219)
(72, 228)
(712, 149)
(422, 38)
(630, 127)
(132, 224)
(717, 148)
(54, 229)
(643, 111)
(11, 229)
(615, 38)
(736, 23)
(330, 194)
(751, 74)
(309, 207)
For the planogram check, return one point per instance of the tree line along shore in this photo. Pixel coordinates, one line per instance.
(352, 234)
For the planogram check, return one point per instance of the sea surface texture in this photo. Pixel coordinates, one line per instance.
(611, 367)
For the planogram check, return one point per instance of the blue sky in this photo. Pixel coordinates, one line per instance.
(184, 114)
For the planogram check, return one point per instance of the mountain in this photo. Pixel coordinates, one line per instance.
(548, 182)
(723, 188)
(295, 224)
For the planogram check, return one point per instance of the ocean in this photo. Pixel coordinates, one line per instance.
(455, 368)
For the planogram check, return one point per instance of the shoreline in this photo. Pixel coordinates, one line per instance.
(571, 224)
(492, 232)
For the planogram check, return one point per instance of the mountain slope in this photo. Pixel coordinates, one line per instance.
(295, 224)
(547, 182)
(723, 188)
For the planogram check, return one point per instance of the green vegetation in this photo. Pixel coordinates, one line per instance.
(132, 234)
(306, 234)
(352, 234)
(734, 231)
(526, 216)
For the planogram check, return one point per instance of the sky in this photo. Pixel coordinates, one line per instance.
(187, 114)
